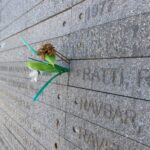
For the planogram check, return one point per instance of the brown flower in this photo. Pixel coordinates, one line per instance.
(46, 49)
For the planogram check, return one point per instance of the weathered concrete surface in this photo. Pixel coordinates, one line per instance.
(121, 38)
(39, 11)
(17, 7)
(117, 12)
(103, 102)
(126, 116)
(89, 136)
(128, 77)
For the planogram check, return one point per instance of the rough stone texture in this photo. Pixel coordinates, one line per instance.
(89, 136)
(14, 143)
(126, 116)
(40, 13)
(103, 103)
(107, 11)
(18, 8)
(121, 38)
(128, 77)
(54, 25)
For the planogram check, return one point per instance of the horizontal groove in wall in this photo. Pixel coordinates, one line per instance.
(39, 123)
(22, 128)
(68, 85)
(3, 136)
(20, 16)
(14, 136)
(84, 59)
(70, 32)
(40, 21)
(5, 27)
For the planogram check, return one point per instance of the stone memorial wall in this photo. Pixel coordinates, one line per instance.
(103, 103)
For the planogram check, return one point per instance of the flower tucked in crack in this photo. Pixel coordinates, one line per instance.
(34, 75)
(46, 49)
(48, 53)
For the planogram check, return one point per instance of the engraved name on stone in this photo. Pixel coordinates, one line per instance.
(94, 141)
(124, 115)
(98, 9)
(89, 136)
(116, 76)
(92, 13)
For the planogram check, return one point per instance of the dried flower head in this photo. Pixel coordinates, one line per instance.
(46, 49)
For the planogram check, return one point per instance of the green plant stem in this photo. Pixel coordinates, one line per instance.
(34, 98)
(28, 45)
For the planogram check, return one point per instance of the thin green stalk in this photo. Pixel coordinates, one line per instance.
(34, 98)
(28, 45)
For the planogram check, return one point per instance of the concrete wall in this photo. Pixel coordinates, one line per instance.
(104, 102)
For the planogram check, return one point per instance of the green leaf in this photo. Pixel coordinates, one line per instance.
(61, 69)
(44, 62)
(51, 59)
(40, 66)
(35, 65)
